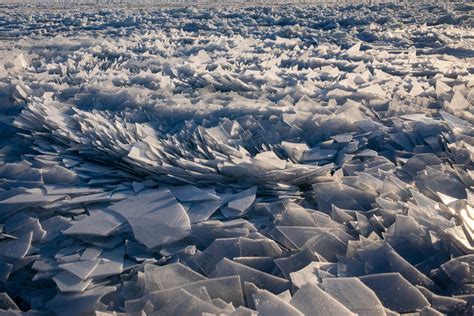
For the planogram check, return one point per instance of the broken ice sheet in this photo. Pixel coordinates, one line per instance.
(111, 263)
(16, 248)
(98, 223)
(19, 201)
(185, 303)
(227, 288)
(20, 62)
(460, 269)
(444, 303)
(69, 190)
(458, 101)
(315, 154)
(326, 242)
(353, 294)
(235, 247)
(308, 274)
(395, 292)
(201, 211)
(227, 267)
(264, 264)
(243, 200)
(311, 300)
(342, 196)
(19, 224)
(7, 304)
(81, 269)
(169, 276)
(268, 304)
(190, 193)
(78, 303)
(155, 216)
(68, 282)
(5, 270)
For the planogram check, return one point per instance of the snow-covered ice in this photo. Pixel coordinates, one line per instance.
(236, 159)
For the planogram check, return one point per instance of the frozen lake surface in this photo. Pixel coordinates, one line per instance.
(235, 160)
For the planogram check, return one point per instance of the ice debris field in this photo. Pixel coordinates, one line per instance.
(237, 160)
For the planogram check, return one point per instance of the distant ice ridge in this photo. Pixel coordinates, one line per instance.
(237, 161)
(210, 2)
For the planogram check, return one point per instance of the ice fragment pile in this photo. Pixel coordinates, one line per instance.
(237, 160)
